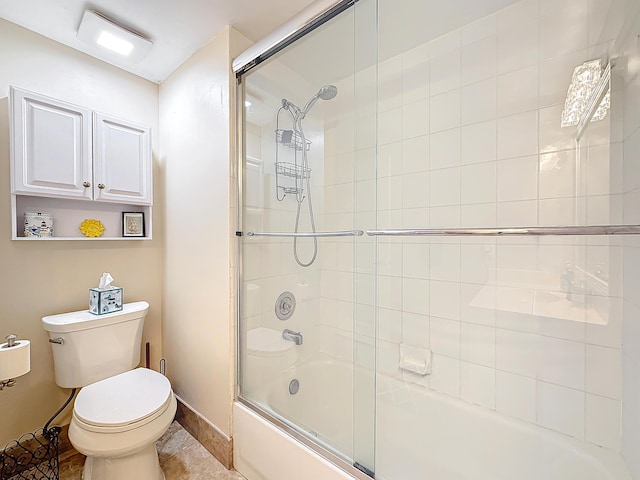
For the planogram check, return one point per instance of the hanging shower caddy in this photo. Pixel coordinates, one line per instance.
(290, 174)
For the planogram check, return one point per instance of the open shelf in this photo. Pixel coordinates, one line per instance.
(69, 214)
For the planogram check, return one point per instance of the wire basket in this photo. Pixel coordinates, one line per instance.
(34, 456)
(291, 139)
(292, 170)
(291, 190)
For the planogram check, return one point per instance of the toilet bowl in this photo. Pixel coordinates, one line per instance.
(117, 421)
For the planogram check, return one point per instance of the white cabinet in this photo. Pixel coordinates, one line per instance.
(50, 147)
(57, 153)
(121, 160)
(76, 163)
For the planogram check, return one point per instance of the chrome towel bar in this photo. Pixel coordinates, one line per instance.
(585, 230)
(512, 231)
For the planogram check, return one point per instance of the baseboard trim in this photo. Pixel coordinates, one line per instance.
(215, 442)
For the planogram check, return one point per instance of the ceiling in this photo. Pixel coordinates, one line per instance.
(177, 28)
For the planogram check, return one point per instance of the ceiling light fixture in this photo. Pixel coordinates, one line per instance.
(118, 45)
(585, 83)
(96, 29)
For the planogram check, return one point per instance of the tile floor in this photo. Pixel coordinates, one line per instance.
(181, 458)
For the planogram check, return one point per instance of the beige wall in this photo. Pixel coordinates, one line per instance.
(41, 278)
(195, 110)
(192, 223)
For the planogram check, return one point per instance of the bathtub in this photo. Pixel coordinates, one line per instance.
(419, 434)
(330, 419)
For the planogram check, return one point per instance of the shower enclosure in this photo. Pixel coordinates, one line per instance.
(436, 201)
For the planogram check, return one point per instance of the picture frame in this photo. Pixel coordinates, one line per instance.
(133, 224)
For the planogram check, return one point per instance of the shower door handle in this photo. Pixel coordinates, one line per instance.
(341, 233)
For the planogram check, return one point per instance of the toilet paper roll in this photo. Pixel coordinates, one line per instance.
(15, 360)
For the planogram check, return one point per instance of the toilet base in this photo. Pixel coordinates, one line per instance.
(142, 465)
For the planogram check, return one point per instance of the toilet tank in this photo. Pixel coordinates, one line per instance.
(92, 347)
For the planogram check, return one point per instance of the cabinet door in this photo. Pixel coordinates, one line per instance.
(50, 147)
(122, 161)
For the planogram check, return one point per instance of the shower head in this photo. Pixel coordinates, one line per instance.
(328, 92)
(325, 93)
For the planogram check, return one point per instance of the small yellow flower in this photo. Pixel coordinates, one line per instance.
(92, 228)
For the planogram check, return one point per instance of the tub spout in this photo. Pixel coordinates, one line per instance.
(295, 337)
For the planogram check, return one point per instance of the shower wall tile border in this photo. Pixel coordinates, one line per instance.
(209, 437)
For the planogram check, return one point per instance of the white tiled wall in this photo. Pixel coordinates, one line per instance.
(469, 135)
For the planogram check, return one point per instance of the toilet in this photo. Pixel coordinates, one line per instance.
(121, 410)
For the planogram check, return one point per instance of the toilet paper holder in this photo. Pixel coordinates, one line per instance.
(34, 454)
(11, 343)
(7, 383)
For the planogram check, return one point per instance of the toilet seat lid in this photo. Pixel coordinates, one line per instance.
(123, 399)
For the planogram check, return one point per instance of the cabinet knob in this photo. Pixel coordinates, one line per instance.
(101, 186)
(86, 184)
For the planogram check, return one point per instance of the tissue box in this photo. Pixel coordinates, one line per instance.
(105, 300)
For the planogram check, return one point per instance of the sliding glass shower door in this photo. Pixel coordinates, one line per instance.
(307, 299)
(429, 194)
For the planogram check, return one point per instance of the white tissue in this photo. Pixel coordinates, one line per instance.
(105, 281)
